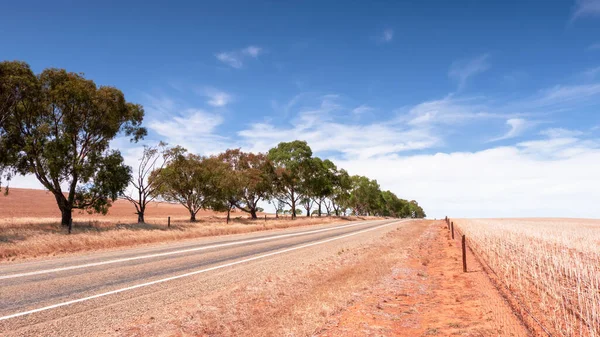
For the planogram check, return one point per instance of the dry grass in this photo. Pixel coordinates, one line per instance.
(296, 304)
(551, 265)
(30, 225)
(24, 239)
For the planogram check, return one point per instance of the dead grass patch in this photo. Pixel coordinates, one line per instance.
(22, 239)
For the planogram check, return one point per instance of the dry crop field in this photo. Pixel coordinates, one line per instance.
(549, 268)
(30, 225)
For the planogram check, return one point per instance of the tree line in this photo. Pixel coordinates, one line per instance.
(57, 126)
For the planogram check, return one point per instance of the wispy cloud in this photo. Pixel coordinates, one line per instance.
(585, 8)
(231, 59)
(462, 70)
(594, 46)
(591, 73)
(362, 109)
(387, 35)
(321, 121)
(252, 51)
(235, 59)
(517, 127)
(216, 98)
(449, 111)
(561, 133)
(178, 123)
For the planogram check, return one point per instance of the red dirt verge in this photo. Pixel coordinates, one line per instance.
(429, 295)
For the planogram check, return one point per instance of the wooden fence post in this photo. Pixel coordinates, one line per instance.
(464, 253)
(452, 229)
(169, 222)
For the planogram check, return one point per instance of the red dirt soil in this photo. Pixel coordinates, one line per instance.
(30, 203)
(429, 295)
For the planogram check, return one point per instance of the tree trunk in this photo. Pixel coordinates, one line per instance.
(228, 214)
(141, 217)
(308, 212)
(67, 217)
(320, 208)
(192, 217)
(253, 213)
(293, 209)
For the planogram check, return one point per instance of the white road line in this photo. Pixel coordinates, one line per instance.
(193, 273)
(149, 256)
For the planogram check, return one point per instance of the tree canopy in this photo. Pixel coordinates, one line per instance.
(57, 125)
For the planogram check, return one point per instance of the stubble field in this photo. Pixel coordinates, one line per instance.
(549, 269)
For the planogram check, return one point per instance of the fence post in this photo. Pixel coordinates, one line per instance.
(169, 222)
(452, 229)
(464, 253)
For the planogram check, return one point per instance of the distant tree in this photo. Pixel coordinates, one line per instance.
(58, 126)
(291, 162)
(279, 206)
(340, 197)
(227, 185)
(365, 197)
(251, 177)
(307, 203)
(416, 210)
(187, 179)
(153, 159)
(321, 182)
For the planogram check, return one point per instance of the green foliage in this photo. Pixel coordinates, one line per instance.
(249, 177)
(57, 125)
(291, 162)
(191, 180)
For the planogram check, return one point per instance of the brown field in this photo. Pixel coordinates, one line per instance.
(549, 269)
(30, 226)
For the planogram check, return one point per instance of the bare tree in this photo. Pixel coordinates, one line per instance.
(154, 158)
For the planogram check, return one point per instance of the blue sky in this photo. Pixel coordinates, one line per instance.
(494, 102)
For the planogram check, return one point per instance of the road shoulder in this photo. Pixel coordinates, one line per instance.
(428, 294)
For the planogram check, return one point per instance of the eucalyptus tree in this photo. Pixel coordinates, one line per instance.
(250, 178)
(57, 126)
(188, 179)
(291, 162)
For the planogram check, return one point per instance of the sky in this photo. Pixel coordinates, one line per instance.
(473, 108)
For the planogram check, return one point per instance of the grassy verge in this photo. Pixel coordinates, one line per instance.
(25, 238)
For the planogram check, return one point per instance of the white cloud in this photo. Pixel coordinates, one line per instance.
(359, 110)
(321, 125)
(517, 127)
(560, 133)
(195, 130)
(447, 111)
(462, 70)
(216, 98)
(387, 35)
(235, 59)
(253, 51)
(586, 8)
(231, 59)
(499, 182)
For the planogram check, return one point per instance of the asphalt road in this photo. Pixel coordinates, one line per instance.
(33, 293)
